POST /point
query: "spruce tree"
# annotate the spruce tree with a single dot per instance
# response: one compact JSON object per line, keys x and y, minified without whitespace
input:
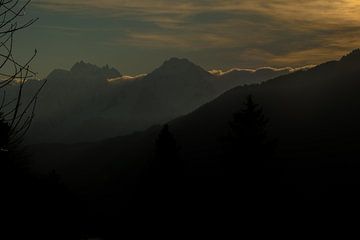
{"x":166,"y":151}
{"x":248,"y":140}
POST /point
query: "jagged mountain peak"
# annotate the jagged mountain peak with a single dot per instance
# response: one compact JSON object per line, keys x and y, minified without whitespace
{"x":176,"y":61}
{"x":175,"y":65}
{"x":82,"y":66}
{"x":84,"y":71}
{"x":88,"y":68}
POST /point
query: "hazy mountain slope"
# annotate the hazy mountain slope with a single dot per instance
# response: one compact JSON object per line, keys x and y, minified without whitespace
{"x":69,"y":100}
{"x":82,"y":105}
{"x":175,"y":88}
{"x":238,"y":77}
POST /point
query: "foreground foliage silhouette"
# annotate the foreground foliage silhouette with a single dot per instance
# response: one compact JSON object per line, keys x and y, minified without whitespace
{"x":33,"y":206}
{"x":38,"y":206}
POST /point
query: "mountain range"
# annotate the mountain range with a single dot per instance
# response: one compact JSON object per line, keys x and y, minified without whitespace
{"x":313,"y":115}
{"x":90,"y":103}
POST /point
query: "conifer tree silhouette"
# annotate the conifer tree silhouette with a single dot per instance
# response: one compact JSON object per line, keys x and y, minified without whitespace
{"x":248,"y":137}
{"x":166,"y":143}
{"x":162,"y":177}
{"x":166,"y":152}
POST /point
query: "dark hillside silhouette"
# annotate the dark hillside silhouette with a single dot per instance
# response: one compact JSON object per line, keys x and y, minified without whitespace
{"x":34,"y":205}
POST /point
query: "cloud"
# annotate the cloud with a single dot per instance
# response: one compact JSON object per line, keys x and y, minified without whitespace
{"x":124,"y":79}
{"x":273,"y":32}
{"x":220,"y":72}
{"x":333,"y":12}
{"x":175,"y":40}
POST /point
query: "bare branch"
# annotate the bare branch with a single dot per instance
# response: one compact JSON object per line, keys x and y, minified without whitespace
{"x":14,"y":74}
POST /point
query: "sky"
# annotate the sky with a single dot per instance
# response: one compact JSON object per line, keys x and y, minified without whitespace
{"x":136,"y":36}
